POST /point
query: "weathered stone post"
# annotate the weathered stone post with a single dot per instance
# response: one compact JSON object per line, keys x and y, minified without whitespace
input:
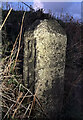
{"x":50,"y":50}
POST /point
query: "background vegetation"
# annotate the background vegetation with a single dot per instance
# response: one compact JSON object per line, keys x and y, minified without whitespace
{"x":15,"y":94}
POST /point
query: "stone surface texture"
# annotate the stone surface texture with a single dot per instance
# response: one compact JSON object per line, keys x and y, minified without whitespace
{"x":48,"y":64}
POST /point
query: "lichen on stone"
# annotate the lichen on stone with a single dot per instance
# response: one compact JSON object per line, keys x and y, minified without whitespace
{"x":50,"y":50}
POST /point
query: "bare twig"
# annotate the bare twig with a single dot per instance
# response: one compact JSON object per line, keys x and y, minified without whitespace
{"x":27,"y":110}
{"x":14,"y":47}
{"x":20,"y":96}
{"x":5,"y":19}
{"x":33,"y":103}
{"x":19,"y":105}
{"x":8,"y":111}
{"x":19,"y":39}
{"x":28,"y":6}
{"x":13,"y":101}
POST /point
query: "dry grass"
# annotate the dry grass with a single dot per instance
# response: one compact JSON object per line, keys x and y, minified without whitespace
{"x":6,"y":19}
{"x":17,"y":100}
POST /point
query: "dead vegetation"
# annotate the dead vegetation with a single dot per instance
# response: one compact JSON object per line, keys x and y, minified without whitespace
{"x":18,"y":101}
